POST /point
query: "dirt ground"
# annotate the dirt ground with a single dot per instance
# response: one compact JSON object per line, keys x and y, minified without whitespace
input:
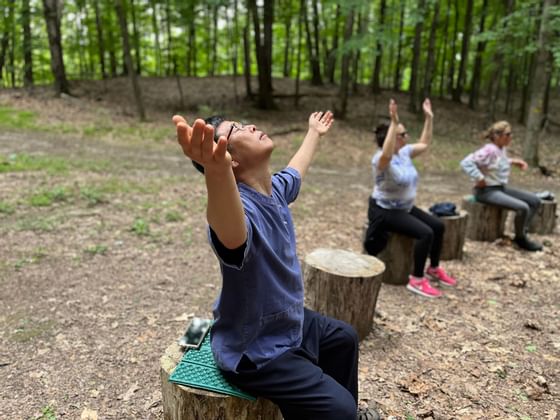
{"x":99,"y":277}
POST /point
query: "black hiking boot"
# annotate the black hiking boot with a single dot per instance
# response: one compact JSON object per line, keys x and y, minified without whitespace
{"x":366,"y":413}
{"x":524,"y":243}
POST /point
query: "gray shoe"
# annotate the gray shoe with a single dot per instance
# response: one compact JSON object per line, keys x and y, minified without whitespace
{"x":368,"y":414}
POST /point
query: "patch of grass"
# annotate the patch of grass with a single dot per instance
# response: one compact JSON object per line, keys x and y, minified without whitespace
{"x":531,"y":348}
{"x":173,"y":216}
{"x":37,"y":255}
{"x":140,"y":227}
{"x":36,"y":224}
{"x":47,"y":413}
{"x":92,"y":195}
{"x":27,"y":330}
{"x":96,"y":249}
{"x":15,"y":118}
{"x":23,"y":162}
{"x":5,"y":208}
{"x":46,"y":198}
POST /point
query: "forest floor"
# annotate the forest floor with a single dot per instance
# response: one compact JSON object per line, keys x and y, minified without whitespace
{"x":104,"y":259}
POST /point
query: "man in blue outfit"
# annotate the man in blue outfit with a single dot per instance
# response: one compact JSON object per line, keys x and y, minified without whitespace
{"x":263,"y":339}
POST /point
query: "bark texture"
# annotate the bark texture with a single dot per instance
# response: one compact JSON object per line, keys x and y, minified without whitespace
{"x":544,"y":221}
{"x":343,"y":285}
{"x":454,"y":236}
{"x":485,"y":222}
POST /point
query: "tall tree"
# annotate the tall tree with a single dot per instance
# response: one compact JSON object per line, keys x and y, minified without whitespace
{"x":542,"y":72}
{"x":120,"y":8}
{"x":397,"y":81}
{"x":155,"y":29}
{"x":430,"y":62}
{"x":27,"y":44}
{"x":340,"y":109}
{"x":458,"y":91}
{"x":7,"y":17}
{"x":52,"y":10}
{"x":375,"y":80}
{"x":477,"y":72}
{"x":263,"y":48}
{"x":331,"y":52}
{"x":312,"y":49}
{"x":451,"y":73}
{"x":415,"y":71}
{"x":100,"y":39}
{"x":136,"y":38}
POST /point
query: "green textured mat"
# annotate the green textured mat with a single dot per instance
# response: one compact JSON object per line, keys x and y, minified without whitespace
{"x":198,"y":369}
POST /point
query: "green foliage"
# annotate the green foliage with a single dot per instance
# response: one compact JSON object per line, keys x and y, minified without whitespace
{"x":6,"y":208}
{"x":23,"y":162}
{"x":96,"y":249}
{"x":140,"y":227}
{"x":46,"y":198}
{"x":16,"y":119}
{"x":92,"y":195}
{"x":173,"y":216}
{"x":47,"y":413}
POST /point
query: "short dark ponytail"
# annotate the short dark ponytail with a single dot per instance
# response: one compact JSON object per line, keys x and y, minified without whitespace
{"x":380,"y":133}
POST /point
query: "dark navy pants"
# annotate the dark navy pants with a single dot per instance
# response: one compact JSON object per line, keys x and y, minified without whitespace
{"x":318,"y":380}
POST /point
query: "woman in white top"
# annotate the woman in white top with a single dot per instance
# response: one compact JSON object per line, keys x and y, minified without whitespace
{"x":489,"y":168}
{"x":391,"y":205}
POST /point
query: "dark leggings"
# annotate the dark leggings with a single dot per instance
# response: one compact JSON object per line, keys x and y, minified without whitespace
{"x":425,"y":228}
{"x":316,"y":381}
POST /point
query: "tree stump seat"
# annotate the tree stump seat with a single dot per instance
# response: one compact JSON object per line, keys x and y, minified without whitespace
{"x":398,"y":257}
{"x":485,"y":222}
{"x":544,"y":221}
{"x":343,"y":285}
{"x":454,"y":236}
{"x":186,"y":403}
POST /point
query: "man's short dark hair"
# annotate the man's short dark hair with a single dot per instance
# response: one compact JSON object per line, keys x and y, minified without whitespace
{"x":214,"y":121}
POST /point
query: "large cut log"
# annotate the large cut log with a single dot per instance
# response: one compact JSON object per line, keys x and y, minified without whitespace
{"x":544,"y":221}
{"x":454,"y":236}
{"x":185,"y":403}
{"x":343,"y":285}
{"x":485,"y":222}
{"x":398,"y":257}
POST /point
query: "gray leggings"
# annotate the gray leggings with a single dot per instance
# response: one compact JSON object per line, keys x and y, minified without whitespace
{"x":524,"y":203}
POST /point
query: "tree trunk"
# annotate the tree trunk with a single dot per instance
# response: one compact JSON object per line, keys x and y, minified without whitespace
{"x":430,"y":62}
{"x":299,"y":47}
{"x":331,"y":55}
{"x":136,"y":37}
{"x":542,"y":72}
{"x":340,"y":108}
{"x":155,"y":29}
{"x":111,"y":44}
{"x":100,"y":39}
{"x":454,"y":236}
{"x":477,"y":73}
{"x":214,"y":63}
{"x":375,"y":80}
{"x":247,"y":57}
{"x":51,"y":10}
{"x":170,"y":57}
{"x":451,"y":75}
{"x":397,"y":81}
{"x":287,"y":46}
{"x":263,"y":48}
{"x":27,"y":45}
{"x":344,"y":285}
{"x":186,"y":403}
{"x":444,"y":48}
{"x":415,"y":71}
{"x":7,"y":17}
{"x":121,"y":14}
{"x":235,"y":49}
{"x":192,"y":50}
{"x":485,"y":222}
{"x":544,"y":221}
{"x":314,"y":64}
{"x":458,"y":92}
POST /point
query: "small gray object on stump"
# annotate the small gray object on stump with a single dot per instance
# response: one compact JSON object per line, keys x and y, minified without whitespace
{"x":544,"y":221}
{"x":398,"y":257}
{"x":454,"y":236}
{"x":186,"y":403}
{"x":485,"y":222}
{"x":343,"y":285}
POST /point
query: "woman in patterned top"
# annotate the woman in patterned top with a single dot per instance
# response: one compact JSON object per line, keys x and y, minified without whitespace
{"x":489,"y":168}
{"x":391,"y":205}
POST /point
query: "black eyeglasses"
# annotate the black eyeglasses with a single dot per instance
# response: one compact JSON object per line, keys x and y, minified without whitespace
{"x":236,"y":127}
{"x":403,"y":134}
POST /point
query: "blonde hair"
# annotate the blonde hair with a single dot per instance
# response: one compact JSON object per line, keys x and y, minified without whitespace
{"x":496,"y":129}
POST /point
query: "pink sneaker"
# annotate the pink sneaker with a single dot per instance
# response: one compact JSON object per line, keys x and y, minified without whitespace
{"x":439,"y":274}
{"x":422,"y":287}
